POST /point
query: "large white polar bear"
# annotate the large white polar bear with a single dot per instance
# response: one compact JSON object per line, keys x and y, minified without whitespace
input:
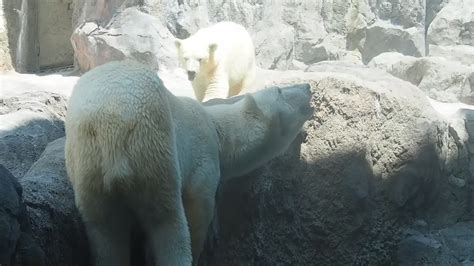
{"x":219,"y":60}
{"x":137,"y":153}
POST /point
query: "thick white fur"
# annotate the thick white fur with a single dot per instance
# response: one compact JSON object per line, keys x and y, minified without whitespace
{"x":223,"y":58}
{"x":136,"y":153}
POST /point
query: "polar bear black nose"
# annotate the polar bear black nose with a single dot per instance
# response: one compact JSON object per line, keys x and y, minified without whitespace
{"x":191,"y":75}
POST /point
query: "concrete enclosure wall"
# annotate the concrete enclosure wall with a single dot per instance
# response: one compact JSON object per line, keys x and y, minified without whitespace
{"x":36,"y":34}
{"x":55,"y":29}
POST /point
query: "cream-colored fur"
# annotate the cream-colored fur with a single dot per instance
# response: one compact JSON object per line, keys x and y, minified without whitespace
{"x":222,"y":57}
{"x":137,"y":153}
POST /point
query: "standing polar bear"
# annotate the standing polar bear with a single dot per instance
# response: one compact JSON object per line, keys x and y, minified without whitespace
{"x":219,"y":60}
{"x":136,"y":154}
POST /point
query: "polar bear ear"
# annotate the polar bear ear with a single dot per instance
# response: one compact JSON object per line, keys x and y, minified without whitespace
{"x":251,"y":106}
{"x":212,"y":47}
{"x":177,"y":43}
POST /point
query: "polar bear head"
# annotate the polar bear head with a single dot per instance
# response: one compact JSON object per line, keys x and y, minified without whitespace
{"x":284,"y":110}
{"x":195,"y":57}
{"x":255,"y":127}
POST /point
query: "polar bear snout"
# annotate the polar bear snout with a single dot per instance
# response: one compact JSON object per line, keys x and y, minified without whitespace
{"x":191,"y":75}
{"x":299,"y":96}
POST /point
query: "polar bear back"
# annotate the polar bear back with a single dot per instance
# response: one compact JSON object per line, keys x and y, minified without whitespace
{"x":111,"y":114}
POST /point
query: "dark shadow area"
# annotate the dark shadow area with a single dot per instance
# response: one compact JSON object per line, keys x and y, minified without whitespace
{"x":55,"y":220}
{"x":23,"y":145}
{"x":332,"y":211}
{"x":47,"y":193}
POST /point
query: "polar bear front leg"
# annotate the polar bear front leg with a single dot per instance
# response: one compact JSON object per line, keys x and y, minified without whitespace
{"x":218,"y":87}
{"x":108,"y":228}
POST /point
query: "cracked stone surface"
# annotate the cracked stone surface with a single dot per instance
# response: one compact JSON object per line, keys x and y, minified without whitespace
{"x":50,"y":202}
{"x":32,"y":110}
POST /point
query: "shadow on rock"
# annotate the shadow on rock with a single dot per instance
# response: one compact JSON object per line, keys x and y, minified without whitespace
{"x":55,"y":220}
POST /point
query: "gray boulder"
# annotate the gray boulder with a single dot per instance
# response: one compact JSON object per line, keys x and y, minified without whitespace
{"x":54,"y":218}
{"x":451,"y":245}
{"x":32,"y":111}
{"x":374,"y":149}
{"x":453,"y":25}
{"x":458,"y":53}
{"x":130,"y":34}
{"x":439,"y":78}
{"x":17,"y":246}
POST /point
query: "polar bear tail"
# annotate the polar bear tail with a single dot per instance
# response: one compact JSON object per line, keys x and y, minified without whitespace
{"x":118,"y":173}
{"x":114,"y":161}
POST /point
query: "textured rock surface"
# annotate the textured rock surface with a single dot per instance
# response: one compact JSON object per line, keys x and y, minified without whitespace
{"x":453,"y":25}
{"x":32,"y":111}
{"x":284,"y":32}
{"x":10,"y":211}
{"x":374,"y":149}
{"x":439,"y":78}
{"x":130,"y":34}
{"x":453,"y":245}
{"x":17,"y":246}
{"x":50,"y":202}
{"x":459,"y":53}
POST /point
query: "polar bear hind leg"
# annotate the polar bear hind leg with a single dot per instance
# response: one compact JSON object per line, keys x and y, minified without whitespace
{"x":244,"y":85}
{"x":199,"y":209}
{"x":108,"y":228}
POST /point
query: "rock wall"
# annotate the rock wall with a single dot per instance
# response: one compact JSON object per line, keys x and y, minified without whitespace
{"x":287,"y":34}
{"x":294,"y":34}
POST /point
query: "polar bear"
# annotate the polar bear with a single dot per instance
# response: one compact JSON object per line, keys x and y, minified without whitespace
{"x":137,"y":154}
{"x":219,"y":60}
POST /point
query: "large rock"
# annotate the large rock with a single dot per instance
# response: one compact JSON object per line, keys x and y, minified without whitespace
{"x":55,"y":220}
{"x":453,"y":25}
{"x":432,"y":9}
{"x":131,"y":34}
{"x":17,"y":246}
{"x":439,"y":78}
{"x":453,"y":245}
{"x":32,"y":111}
{"x":463,"y":54}
{"x":383,"y":37}
{"x":374,"y":148}
{"x":286,"y":34}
